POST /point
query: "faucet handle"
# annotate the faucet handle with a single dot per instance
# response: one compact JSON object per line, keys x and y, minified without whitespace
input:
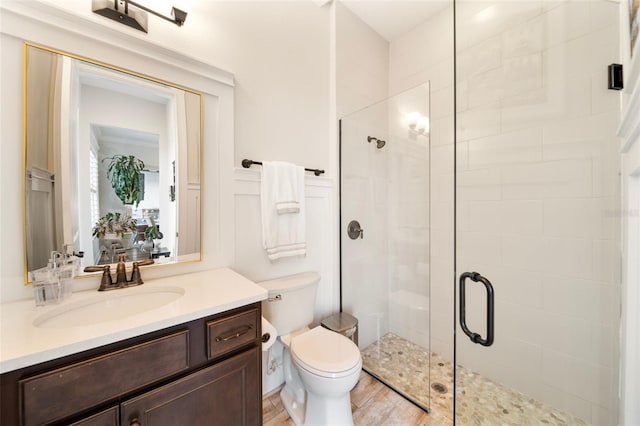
{"x":105,"y":282}
{"x":136,"y":278}
{"x":97,"y":268}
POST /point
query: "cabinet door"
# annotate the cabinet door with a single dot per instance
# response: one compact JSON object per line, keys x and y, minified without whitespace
{"x":108,"y":417}
{"x":226,"y":393}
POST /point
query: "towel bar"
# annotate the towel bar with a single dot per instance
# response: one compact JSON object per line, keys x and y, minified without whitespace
{"x":248,"y":163}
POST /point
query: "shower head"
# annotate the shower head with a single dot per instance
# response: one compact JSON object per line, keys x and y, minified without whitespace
{"x":379,"y":142}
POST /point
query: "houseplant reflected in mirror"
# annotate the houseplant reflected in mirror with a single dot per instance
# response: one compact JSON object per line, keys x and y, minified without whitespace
{"x":114,"y":231}
{"x":150,"y":234}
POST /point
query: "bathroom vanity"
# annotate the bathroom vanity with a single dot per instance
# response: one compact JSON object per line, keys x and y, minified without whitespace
{"x":194,"y":360}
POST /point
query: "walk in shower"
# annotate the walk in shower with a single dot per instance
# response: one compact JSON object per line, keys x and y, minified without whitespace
{"x":497,"y":181}
{"x":385,"y":244}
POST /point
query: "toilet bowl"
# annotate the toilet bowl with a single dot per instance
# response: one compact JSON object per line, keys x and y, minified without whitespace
{"x":320,"y":366}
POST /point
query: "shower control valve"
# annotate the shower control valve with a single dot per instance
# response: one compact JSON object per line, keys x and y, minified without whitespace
{"x":354,"y":230}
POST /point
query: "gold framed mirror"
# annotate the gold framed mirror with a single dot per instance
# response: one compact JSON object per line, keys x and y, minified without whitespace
{"x":85,"y":120}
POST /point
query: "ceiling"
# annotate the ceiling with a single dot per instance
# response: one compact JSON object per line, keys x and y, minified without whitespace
{"x":393,"y":18}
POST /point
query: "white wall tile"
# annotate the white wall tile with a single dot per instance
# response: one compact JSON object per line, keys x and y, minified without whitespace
{"x":524,"y":288}
{"x":486,"y":87}
{"x":481,"y":58}
{"x":586,"y":300}
{"x":575,"y":217}
{"x":603,"y":99}
{"x":587,"y":128}
{"x":570,"y":403}
{"x":568,"y":21}
{"x":601,"y":415}
{"x":604,"y":260}
{"x":524,"y":39}
{"x":522,"y":217}
{"x":524,"y":253}
{"x":556,"y":179}
{"x":441,"y":103}
{"x":478,"y":123}
{"x":483,"y":184}
{"x":567,"y":257}
{"x":577,"y":377}
{"x":572,"y":150}
{"x":564,"y":334}
{"x":515,"y":321}
{"x":473,"y":17}
{"x":482,"y":248}
{"x":442,"y":131}
{"x":523,"y":146}
{"x":603,"y":350}
{"x":603,"y":14}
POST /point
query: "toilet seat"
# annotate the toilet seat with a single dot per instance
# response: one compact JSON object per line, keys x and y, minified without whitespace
{"x":325,"y":353}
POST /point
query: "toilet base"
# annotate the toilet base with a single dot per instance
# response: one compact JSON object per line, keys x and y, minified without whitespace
{"x":294,"y":406}
{"x":319,"y":411}
{"x":322,"y":411}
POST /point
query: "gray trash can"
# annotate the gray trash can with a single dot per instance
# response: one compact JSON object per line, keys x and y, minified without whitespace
{"x":342,"y":323}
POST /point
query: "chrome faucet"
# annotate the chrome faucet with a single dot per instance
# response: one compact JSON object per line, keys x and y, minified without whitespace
{"x":106,"y":283}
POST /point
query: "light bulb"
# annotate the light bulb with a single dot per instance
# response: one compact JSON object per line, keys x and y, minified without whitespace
{"x":422,"y":126}
{"x":412,"y":119}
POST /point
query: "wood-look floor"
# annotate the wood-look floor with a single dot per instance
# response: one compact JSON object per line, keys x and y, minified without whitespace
{"x":372,"y":404}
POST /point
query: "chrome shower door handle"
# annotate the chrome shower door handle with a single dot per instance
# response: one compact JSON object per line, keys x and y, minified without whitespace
{"x":475,"y":337}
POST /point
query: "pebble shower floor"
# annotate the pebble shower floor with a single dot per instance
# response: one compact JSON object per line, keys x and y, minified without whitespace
{"x":404,"y":366}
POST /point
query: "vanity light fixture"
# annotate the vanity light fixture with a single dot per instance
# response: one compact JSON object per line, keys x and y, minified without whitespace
{"x":134,"y":17}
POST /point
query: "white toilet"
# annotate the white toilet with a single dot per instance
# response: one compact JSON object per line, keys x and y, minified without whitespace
{"x":320,"y":366}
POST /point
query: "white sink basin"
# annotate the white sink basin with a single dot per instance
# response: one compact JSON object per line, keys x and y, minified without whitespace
{"x":108,"y":306}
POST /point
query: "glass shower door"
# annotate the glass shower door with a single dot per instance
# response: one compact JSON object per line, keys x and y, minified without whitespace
{"x":536,"y":194}
{"x":384,"y":228}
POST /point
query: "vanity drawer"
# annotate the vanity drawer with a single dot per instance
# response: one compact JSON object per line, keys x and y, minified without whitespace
{"x":232,"y":332}
{"x":65,"y":391}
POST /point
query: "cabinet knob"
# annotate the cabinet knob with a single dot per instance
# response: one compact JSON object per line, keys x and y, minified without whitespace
{"x":135,"y":422}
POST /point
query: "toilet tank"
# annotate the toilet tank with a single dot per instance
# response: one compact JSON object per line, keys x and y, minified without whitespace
{"x":291,"y":301}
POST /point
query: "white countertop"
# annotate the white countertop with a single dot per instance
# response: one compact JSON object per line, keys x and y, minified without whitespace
{"x":205,"y":293}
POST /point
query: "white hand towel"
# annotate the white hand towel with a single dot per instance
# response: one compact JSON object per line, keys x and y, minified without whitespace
{"x":283,"y":210}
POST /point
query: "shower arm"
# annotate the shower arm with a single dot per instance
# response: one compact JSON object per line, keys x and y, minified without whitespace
{"x":379,"y":142}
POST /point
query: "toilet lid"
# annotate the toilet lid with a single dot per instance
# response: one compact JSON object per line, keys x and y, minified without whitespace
{"x":325,"y":352}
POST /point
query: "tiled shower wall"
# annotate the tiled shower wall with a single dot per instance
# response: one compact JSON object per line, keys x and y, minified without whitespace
{"x":385,"y":274}
{"x":538,"y":195}
{"x":407,"y":154}
{"x":426,"y":54}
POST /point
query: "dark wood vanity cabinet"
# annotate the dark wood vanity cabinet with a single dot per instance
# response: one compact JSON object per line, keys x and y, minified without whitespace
{"x":205,"y":372}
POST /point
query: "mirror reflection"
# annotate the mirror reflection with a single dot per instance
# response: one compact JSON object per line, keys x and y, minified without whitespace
{"x":112,"y":164}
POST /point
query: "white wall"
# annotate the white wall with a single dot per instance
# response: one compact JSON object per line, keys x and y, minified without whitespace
{"x":362,"y":63}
